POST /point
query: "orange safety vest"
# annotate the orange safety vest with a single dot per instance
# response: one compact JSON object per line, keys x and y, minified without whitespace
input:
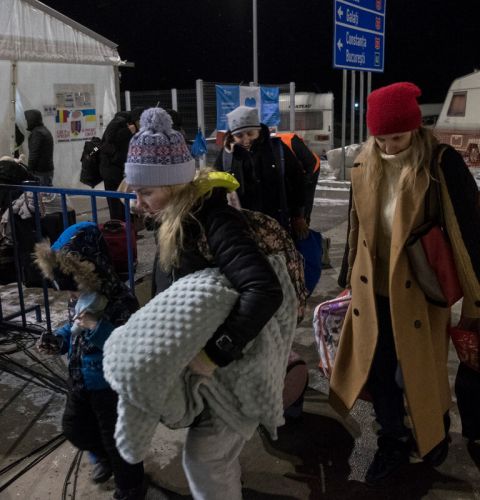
{"x":287,"y":137}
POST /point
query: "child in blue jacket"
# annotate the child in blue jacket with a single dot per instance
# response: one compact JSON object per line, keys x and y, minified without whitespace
{"x":99,"y":302}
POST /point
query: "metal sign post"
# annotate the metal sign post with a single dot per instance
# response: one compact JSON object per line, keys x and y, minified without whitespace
{"x":361,"y":137}
{"x":352,"y":108}
{"x":255,"y":43}
{"x":292,"y":106}
{"x":344,"y":119}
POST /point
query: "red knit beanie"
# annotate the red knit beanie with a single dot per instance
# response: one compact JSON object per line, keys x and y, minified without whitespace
{"x":394,"y":109}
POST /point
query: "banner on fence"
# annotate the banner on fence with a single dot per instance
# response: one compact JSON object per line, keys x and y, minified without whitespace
{"x":265,"y":99}
{"x":76,"y":115}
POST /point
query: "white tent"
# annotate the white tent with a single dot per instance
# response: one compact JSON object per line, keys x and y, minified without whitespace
{"x":51,"y":63}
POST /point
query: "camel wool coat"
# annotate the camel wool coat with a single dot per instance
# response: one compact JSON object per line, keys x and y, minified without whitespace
{"x":419,"y":328}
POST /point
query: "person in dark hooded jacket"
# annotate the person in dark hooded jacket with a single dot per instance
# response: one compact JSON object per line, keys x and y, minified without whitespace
{"x":79,"y":262}
{"x":255,"y":160}
{"x":40,"y":148}
{"x":113,"y":155}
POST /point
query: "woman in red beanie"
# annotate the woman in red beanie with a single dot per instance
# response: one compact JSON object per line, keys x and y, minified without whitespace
{"x":395,"y":342}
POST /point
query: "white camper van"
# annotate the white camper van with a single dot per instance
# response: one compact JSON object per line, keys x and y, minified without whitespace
{"x":313,"y":119}
{"x":430,"y":113}
{"x":459,"y":120}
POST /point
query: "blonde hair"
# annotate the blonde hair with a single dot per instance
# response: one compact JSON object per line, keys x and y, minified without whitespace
{"x":172,"y":219}
{"x":420,"y":157}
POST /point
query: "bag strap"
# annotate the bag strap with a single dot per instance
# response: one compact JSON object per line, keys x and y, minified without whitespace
{"x":227,"y":160}
{"x":279,"y":157}
{"x":437,"y":189}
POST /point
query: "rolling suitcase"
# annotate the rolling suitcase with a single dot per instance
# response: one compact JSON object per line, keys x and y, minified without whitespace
{"x":115,"y":234}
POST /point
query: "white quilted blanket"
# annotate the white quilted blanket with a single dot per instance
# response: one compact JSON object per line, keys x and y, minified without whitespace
{"x":145,"y":362}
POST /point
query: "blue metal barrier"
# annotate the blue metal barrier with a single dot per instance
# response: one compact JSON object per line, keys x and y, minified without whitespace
{"x":35,"y":190}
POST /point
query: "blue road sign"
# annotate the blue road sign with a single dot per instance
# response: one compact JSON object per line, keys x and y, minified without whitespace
{"x":359,"y":35}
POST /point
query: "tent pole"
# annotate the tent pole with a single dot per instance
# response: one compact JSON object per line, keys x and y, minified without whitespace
{"x":13,"y":98}
{"x":116,"y":72}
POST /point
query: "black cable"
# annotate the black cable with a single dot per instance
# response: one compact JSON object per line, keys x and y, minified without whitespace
{"x":22,"y":341}
{"x":46,"y":367}
{"x":40,"y":382}
{"x":31,"y":465}
{"x":35,"y":451}
{"x":75,"y":461}
{"x":75,"y":477}
{"x":51,"y":382}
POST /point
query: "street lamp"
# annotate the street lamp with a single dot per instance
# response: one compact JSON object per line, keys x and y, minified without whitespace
{"x":255,"y":44}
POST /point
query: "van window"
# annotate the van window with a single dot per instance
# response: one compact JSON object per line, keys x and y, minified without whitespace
{"x":304,"y":120}
{"x":458,"y":104}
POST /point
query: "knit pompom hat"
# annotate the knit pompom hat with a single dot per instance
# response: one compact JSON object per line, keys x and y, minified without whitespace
{"x":394,"y":109}
{"x":158,"y":155}
{"x":243,"y":118}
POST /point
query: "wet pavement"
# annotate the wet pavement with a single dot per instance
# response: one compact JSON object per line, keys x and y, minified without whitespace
{"x":319,"y":457}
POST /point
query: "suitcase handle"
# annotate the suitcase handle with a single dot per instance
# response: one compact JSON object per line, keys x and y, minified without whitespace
{"x":114,"y":226}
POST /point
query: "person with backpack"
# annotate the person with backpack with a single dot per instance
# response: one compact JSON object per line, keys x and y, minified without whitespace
{"x":271,"y":179}
{"x":113,"y":153}
{"x":310,"y":163}
{"x":199,"y":230}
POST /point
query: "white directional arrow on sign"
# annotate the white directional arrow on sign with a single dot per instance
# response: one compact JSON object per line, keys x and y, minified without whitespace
{"x":339,"y":44}
{"x":340,"y":12}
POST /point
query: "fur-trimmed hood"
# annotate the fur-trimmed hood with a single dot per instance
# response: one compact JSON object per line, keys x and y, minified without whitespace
{"x":80,"y":253}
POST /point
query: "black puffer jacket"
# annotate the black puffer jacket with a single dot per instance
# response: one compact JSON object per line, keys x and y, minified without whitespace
{"x":246,"y":267}
{"x":260,"y":180}
{"x":115,"y":142}
{"x":40,"y":143}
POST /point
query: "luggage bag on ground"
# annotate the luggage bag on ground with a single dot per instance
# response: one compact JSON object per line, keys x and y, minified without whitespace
{"x":328,"y":319}
{"x":115,"y":234}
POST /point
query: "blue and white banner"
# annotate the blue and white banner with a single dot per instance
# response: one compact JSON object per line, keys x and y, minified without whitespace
{"x":270,"y":97}
{"x":228,"y":98}
{"x":265,"y":99}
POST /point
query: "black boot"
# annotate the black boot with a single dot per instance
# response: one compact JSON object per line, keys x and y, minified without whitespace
{"x":391,"y":454}
{"x":438,"y":454}
{"x":101,"y":471}
{"x":137,"y":493}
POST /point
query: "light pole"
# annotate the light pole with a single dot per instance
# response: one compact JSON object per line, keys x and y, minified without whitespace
{"x":255,"y":44}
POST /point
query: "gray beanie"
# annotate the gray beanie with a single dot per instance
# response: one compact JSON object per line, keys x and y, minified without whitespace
{"x":158,"y":155}
{"x":243,"y":118}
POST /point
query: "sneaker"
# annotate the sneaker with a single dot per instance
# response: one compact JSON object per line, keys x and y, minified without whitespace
{"x":101,"y":472}
{"x":390,"y":455}
{"x":137,"y":493}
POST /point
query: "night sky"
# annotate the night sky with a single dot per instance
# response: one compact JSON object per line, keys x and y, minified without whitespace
{"x":173,"y":42}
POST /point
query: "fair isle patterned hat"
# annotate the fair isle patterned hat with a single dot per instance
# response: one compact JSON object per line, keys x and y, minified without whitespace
{"x":243,"y":118}
{"x":158,"y":155}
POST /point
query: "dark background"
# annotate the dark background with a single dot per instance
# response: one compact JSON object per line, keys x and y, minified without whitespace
{"x":174,"y":42}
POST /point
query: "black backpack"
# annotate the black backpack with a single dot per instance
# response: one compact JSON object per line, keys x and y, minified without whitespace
{"x":90,"y":173}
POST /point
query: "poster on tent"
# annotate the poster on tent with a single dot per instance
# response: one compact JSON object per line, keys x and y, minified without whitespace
{"x":265,"y":99}
{"x":76,"y":115}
